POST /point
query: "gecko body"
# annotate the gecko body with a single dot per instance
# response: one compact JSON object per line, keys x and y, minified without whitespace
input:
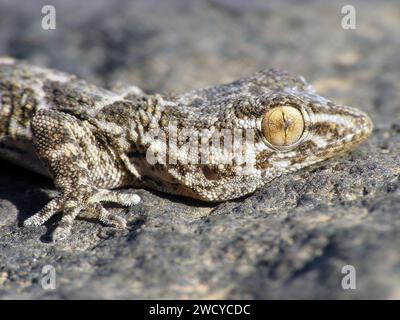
{"x":213,"y":144}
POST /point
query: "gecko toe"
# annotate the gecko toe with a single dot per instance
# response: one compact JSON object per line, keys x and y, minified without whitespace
{"x":122,"y":198}
{"x":115,"y":221}
{"x":108,"y":218}
{"x":33,"y":221}
{"x":87,"y":203}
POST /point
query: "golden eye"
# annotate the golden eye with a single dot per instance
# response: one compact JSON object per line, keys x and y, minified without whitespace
{"x":283,"y":126}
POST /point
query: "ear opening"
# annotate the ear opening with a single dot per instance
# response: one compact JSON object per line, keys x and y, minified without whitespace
{"x":209,"y":173}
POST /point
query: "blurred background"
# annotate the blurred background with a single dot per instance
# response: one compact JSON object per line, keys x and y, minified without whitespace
{"x":177,"y":45}
{"x":289,"y":240}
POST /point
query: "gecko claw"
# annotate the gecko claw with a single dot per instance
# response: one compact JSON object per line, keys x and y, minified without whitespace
{"x":61,"y":233}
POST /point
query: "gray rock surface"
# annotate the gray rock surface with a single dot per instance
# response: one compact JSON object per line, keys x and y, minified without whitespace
{"x":288,"y":240}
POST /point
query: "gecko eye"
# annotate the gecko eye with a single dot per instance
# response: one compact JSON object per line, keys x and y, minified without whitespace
{"x":283,"y":126}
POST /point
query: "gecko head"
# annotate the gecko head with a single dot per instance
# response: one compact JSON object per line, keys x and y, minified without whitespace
{"x":259,"y":128}
{"x":298,"y":128}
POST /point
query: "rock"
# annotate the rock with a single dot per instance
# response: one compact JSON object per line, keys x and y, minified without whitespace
{"x":289,"y":240}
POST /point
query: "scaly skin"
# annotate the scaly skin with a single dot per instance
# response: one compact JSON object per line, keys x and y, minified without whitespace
{"x":92,"y":141}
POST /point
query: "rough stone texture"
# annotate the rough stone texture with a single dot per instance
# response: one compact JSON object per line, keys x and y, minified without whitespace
{"x":290,"y":239}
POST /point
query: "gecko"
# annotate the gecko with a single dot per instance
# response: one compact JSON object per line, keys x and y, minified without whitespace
{"x":214,"y":144}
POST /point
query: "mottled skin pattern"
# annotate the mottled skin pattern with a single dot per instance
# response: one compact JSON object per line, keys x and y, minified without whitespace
{"x":92,"y":141}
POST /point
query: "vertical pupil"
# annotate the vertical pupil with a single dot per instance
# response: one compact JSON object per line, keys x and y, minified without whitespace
{"x":283,"y":126}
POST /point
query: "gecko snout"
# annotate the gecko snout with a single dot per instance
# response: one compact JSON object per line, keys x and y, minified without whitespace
{"x":340,"y":128}
{"x":361,"y":125}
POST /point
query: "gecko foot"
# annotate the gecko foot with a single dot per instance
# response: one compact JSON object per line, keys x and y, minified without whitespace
{"x":87,"y":202}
